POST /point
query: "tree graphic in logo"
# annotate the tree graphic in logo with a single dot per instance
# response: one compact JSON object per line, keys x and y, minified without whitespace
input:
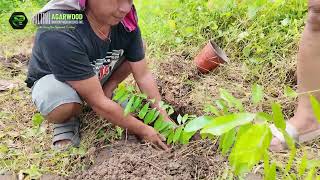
{"x":18,"y":20}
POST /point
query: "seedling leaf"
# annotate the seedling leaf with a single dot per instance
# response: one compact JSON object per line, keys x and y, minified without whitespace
{"x":223,"y":124}
{"x":250,"y":148}
{"x":177,"y":134}
{"x":197,"y":123}
{"x":228,"y":141}
{"x":144,"y":111}
{"x":278,"y":116}
{"x":37,"y":119}
{"x":128,"y":108}
{"x":148,"y":118}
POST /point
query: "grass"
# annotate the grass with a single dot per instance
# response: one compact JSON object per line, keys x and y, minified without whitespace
{"x":260,"y":37}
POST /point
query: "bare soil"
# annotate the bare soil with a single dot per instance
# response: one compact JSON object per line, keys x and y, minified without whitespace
{"x":132,"y":160}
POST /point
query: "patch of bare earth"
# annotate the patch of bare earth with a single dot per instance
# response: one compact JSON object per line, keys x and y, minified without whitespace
{"x":122,"y":160}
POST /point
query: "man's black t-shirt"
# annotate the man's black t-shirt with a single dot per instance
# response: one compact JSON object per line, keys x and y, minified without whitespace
{"x":71,"y":54}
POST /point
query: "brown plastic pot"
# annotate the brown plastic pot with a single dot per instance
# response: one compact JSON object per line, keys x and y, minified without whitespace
{"x":210,"y":57}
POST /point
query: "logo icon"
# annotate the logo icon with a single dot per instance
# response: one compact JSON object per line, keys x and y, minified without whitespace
{"x":18,"y":20}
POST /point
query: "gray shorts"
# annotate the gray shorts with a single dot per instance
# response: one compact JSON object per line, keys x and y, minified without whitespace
{"x":48,"y":93}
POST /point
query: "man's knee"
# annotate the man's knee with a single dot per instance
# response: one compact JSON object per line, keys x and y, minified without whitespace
{"x":314,"y":15}
{"x":64,"y":112}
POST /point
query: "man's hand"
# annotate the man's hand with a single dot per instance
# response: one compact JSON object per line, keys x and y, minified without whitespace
{"x":148,"y":134}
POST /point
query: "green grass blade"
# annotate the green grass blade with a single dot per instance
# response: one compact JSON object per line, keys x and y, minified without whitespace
{"x":315,"y":107}
{"x":311,"y":174}
{"x":303,"y":165}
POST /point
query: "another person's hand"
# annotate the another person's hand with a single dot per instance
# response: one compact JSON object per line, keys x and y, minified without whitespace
{"x":150,"y":135}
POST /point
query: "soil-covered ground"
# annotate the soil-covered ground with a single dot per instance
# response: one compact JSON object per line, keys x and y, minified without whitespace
{"x":132,"y":160}
{"x":180,"y":85}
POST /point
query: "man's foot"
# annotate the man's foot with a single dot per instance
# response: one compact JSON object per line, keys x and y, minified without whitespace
{"x":63,"y":144}
{"x":66,"y":134}
{"x":302,"y":125}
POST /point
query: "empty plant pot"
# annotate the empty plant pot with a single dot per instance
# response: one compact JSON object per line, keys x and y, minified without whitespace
{"x":210,"y":57}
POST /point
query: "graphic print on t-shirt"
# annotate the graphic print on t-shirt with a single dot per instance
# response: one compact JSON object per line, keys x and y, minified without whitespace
{"x":103,"y":67}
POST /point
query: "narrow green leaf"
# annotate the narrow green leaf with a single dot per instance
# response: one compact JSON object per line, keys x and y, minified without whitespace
{"x":130,"y":88}
{"x":225,"y":95}
{"x":170,"y":137}
{"x":257,"y":93}
{"x":315,"y":107}
{"x":171,"y":111}
{"x":228,"y":141}
{"x":266,"y":164}
{"x":311,"y":174}
{"x":222,"y":105}
{"x":221,"y":140}
{"x":37,"y":119}
{"x":144,"y":111}
{"x":148,"y":118}
{"x":119,"y":92}
{"x":289,"y":140}
{"x":243,"y":129}
{"x":231,"y":100}
{"x":264,"y":117}
{"x":185,"y":118}
{"x":198,"y":123}
{"x":164,"y":125}
{"x":177,"y":134}
{"x":158,"y":123}
{"x":129,"y":108}
{"x":143,"y":96}
{"x":278,"y":116}
{"x":212,"y":109}
{"x":186,"y":136}
{"x":291,"y":159}
{"x":289,"y":92}
{"x":166,"y":132}
{"x":137,"y":102}
{"x":179,"y":119}
{"x":250,"y":148}
{"x":156,"y":115}
{"x":272,"y":173}
{"x":303,"y":165}
{"x":223,"y":124}
{"x":124,"y":98}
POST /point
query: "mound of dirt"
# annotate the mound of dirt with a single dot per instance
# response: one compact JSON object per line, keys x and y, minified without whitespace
{"x":130,"y":160}
{"x":175,"y":79}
